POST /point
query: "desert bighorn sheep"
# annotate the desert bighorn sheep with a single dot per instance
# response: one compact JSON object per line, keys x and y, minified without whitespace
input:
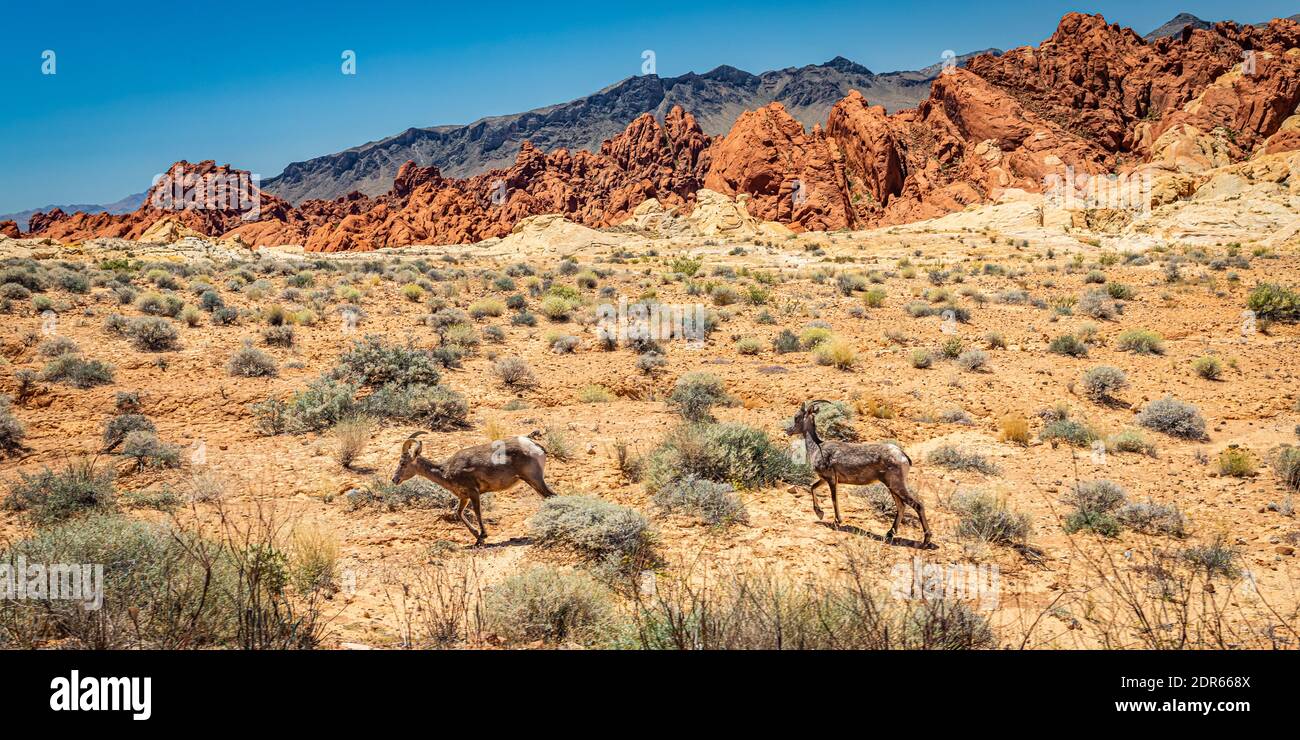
{"x":476,"y":470}
{"x":855,"y":464}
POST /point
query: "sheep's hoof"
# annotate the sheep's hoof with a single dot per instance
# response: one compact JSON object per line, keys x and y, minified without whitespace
{"x":818,"y":512}
{"x":889,"y":536}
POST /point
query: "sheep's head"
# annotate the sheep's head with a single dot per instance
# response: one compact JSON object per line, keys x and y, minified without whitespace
{"x":406,"y":467}
{"x":805,"y":419}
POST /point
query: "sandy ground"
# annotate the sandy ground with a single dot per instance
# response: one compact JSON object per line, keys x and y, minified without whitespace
{"x":197,"y":404}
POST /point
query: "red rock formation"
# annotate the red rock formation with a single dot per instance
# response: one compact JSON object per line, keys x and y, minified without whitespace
{"x":10,"y":229}
{"x":1094,"y":97}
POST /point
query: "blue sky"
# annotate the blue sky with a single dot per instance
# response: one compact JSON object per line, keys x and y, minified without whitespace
{"x":258,"y":84}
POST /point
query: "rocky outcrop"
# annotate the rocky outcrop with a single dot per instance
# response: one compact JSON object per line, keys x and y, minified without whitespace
{"x":10,"y":229}
{"x":1094,"y":98}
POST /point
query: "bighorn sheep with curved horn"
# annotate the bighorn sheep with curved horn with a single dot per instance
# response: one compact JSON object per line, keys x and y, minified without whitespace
{"x":855,"y":464}
{"x":477,"y":470}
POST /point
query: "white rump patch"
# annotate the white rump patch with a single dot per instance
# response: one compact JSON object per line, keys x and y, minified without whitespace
{"x":900,"y":457}
{"x":531,"y":447}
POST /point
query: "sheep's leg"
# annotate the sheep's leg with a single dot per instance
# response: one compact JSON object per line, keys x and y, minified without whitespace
{"x":812,"y":490}
{"x":898,"y":487}
{"x":460,"y":514}
{"x":835,"y":499}
{"x":532,"y":475}
{"x":478,"y":512}
{"x":898,"y":513}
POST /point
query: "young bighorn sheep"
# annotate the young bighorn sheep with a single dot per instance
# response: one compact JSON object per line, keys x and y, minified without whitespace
{"x":477,"y":470}
{"x":855,"y":464}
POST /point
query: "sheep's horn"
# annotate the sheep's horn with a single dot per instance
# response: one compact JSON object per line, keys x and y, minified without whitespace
{"x":813,"y":404}
{"x":406,"y":445}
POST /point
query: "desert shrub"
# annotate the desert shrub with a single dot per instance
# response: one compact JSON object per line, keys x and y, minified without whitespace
{"x":1215,"y":558}
{"x":921,"y":359}
{"x":1153,"y":518}
{"x":1014,"y":428}
{"x":556,"y":308}
{"x":740,"y":455}
{"x":1286,"y":463}
{"x":225,"y":316}
{"x":549,"y":605}
{"x":434,"y":407}
{"x":760,"y":609}
{"x":1072,"y":432}
{"x":838,"y":353}
{"x":77,"y":372}
{"x":191,"y":316}
{"x":593,"y":526}
{"x":1273,"y":302}
{"x":1236,"y":462}
{"x":955,"y":458}
{"x":594,"y":394}
{"x":372,"y":363}
{"x":55,"y":346}
{"x":951,"y":348}
{"x":785,"y":342}
{"x":1069,"y":345}
{"x":314,"y":559}
{"x":1170,"y":416}
{"x":278,"y":336}
{"x":723,"y":295}
{"x":412,"y":292}
{"x":1102,"y":523}
{"x":251,"y":362}
{"x":1100,"y":383}
{"x":1094,"y":504}
{"x":154,"y":334}
{"x":749,"y":346}
{"x":972,"y":359}
{"x":148,"y":451}
{"x":12,"y":431}
{"x":350,"y":439}
{"x":709,"y":501}
{"x":322,"y":404}
{"x":515,"y":373}
{"x":49,"y":497}
{"x":1098,"y":304}
{"x":26,"y":380}
{"x":1130,"y":440}
{"x":412,"y":493}
{"x":874,"y":298}
{"x":814,"y":336}
{"x":986,"y":518}
{"x":695,"y":394}
{"x":486,"y":307}
{"x":650,"y":362}
{"x":1119,"y":291}
{"x":1208,"y":367}
{"x":564,"y":344}
{"x":1141,"y":342}
{"x":116,"y":429}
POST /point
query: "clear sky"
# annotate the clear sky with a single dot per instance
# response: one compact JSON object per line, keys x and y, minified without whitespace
{"x":258,"y":84}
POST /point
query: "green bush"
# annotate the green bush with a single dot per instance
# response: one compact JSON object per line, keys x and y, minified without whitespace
{"x":1153,"y":518}
{"x":1142,"y":342}
{"x":986,"y":518}
{"x":1069,"y":345}
{"x":49,"y":497}
{"x":12,"y":431}
{"x":710,"y":502}
{"x":1273,"y":302}
{"x":152,"y":334}
{"x":149,"y":452}
{"x":77,"y":372}
{"x":372,"y":363}
{"x":1286,"y":463}
{"x":251,"y":362}
{"x":739,"y":455}
{"x":1170,"y":416}
{"x":434,"y":407}
{"x":593,"y":526}
{"x":1100,"y":383}
{"x":549,"y":605}
{"x":955,"y":458}
{"x":695,"y":395}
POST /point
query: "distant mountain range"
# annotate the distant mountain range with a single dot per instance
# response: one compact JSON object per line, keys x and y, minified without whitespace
{"x":716,"y":98}
{"x":125,"y":205}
